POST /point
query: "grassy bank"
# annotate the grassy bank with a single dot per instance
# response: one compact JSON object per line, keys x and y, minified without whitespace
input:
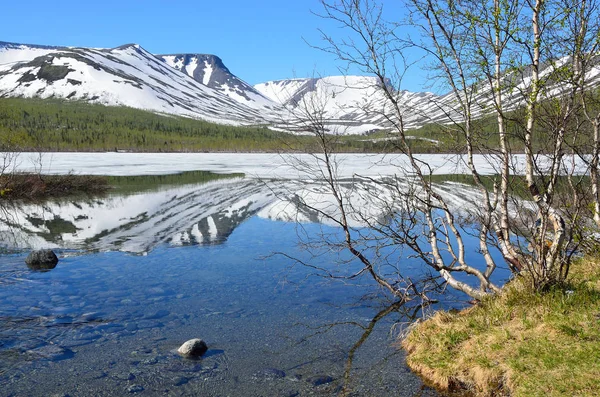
{"x":520,"y":344}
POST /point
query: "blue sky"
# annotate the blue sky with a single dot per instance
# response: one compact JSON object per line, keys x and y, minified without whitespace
{"x":258,"y":40}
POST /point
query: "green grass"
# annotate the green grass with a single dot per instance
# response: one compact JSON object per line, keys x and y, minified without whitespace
{"x":520,"y":344}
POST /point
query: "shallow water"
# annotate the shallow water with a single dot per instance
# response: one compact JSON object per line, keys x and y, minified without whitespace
{"x":166,"y":259}
{"x":108,"y":323}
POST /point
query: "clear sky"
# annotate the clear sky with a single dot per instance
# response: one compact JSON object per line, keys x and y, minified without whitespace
{"x":258,"y":40}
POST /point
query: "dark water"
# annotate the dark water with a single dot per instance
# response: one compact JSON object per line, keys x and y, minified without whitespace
{"x":107,"y":324}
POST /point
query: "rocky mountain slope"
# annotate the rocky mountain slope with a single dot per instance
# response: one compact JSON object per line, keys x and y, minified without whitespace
{"x":209,"y":70}
{"x":190,"y":85}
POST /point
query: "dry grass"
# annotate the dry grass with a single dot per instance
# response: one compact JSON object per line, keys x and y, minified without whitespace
{"x":34,"y":186}
{"x":520,"y":344}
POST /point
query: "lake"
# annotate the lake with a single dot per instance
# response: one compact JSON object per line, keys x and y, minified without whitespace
{"x":164,"y":259}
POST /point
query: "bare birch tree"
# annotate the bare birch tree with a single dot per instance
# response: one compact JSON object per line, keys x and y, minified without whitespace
{"x":536,"y":53}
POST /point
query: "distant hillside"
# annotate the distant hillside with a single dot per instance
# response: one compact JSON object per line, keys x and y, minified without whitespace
{"x":59,"y":125}
{"x":354,"y":104}
{"x":124,"y":76}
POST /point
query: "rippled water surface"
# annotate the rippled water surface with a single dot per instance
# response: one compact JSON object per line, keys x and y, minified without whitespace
{"x":107,"y":323}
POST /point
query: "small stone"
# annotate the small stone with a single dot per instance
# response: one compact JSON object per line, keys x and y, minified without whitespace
{"x":157,"y":315}
{"x":150,"y":361}
{"x":98,"y":375}
{"x":51,"y":353}
{"x":131,"y":327}
{"x":135,"y":389}
{"x":125,"y":376}
{"x":41,"y":260}
{"x":269,"y":374}
{"x":180,"y":381}
{"x":319,"y":380}
{"x":193,"y":348}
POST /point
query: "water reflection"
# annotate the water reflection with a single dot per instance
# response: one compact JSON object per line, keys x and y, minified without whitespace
{"x":137,"y":218}
{"x":197,"y":208}
{"x":108,"y":323}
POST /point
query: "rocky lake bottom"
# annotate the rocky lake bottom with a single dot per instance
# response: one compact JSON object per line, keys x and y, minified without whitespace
{"x":109,"y":324}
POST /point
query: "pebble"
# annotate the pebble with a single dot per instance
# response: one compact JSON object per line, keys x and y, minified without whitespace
{"x":51,"y":352}
{"x":150,"y":361}
{"x":319,"y":380}
{"x":131,"y":327}
{"x":156,"y":315}
{"x":269,"y":374}
{"x":135,"y":389}
{"x":193,"y":348}
{"x":180,"y":381}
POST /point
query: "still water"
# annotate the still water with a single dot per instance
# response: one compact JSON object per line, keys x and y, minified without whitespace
{"x":179,"y":262}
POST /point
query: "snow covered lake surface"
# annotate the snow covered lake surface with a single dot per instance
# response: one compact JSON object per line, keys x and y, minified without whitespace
{"x":254,"y":165}
{"x":143,"y":270}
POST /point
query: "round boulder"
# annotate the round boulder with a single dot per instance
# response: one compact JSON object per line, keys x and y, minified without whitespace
{"x":41,"y":260}
{"x":193,"y":348}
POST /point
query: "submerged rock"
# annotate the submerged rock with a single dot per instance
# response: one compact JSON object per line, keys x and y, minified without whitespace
{"x":269,"y":374}
{"x":319,"y":380}
{"x":41,"y":260}
{"x":135,"y":389}
{"x":51,"y":352}
{"x":193,"y":348}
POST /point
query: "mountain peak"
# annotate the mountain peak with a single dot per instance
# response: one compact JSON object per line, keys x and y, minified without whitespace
{"x":128,"y":46}
{"x":210,"y":70}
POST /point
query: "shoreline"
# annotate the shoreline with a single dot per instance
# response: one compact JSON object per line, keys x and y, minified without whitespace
{"x":519,"y":344}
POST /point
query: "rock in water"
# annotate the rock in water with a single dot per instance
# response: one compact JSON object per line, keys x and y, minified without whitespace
{"x":41,"y":260}
{"x":193,"y":348}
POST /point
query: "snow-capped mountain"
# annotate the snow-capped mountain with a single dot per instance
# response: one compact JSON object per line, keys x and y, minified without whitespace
{"x":129,"y":76}
{"x":201,"y":86}
{"x":352,"y":104}
{"x":191,"y":85}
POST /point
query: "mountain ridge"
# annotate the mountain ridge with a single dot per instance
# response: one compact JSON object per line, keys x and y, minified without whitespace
{"x":201,"y":86}
{"x":191,"y":84}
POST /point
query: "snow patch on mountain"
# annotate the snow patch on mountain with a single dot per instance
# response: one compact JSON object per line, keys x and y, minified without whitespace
{"x":207,"y":73}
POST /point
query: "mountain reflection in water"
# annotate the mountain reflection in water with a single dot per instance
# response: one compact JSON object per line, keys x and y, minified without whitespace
{"x":107,"y":323}
{"x":191,"y":208}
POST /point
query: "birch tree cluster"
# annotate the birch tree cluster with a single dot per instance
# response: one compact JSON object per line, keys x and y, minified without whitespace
{"x":529,"y":65}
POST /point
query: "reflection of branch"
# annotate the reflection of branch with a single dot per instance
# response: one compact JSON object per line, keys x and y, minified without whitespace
{"x":394,"y":307}
{"x":10,"y":222}
{"x":407,"y":312}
